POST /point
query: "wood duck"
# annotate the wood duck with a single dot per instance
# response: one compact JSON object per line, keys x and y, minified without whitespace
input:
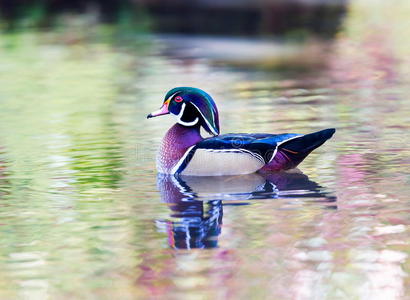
{"x":184,"y":151}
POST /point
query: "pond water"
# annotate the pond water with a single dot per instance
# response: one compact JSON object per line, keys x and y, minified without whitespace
{"x":83,"y":213}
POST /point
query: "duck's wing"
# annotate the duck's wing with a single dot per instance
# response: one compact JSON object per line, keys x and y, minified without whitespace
{"x":231,"y":154}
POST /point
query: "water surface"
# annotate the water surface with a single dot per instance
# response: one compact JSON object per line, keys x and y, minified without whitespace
{"x":83,"y":213}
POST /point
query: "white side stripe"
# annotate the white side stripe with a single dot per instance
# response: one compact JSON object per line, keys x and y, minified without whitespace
{"x":278,"y":144}
{"x":238,"y":150}
{"x":176,"y":167}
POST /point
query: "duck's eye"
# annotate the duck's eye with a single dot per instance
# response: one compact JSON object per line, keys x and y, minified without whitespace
{"x":178,"y":99}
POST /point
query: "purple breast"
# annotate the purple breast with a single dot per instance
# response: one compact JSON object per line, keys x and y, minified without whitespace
{"x":174,"y":145}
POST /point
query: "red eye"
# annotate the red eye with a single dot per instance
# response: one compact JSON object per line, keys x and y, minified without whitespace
{"x":178,"y":99}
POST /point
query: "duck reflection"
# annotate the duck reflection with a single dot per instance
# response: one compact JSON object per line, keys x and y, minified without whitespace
{"x":197,"y":202}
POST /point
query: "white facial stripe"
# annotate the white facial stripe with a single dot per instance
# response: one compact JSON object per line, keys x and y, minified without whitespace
{"x":172,"y":96}
{"x":181,"y":112}
{"x":183,"y":122}
{"x":206,"y":121}
{"x":188,"y":123}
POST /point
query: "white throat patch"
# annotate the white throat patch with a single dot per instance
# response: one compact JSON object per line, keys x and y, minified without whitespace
{"x":183,"y":122}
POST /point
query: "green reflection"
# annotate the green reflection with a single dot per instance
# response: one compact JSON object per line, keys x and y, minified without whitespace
{"x":61,"y":163}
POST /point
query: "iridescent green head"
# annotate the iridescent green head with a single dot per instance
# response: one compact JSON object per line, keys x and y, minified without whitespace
{"x":192,"y":106}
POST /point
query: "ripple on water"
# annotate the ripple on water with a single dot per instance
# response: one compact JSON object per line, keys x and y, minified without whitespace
{"x":84,"y":215}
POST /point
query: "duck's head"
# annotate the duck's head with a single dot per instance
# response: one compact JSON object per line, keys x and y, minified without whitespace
{"x":192,"y":107}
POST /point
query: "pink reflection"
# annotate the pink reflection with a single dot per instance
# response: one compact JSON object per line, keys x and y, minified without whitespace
{"x":367,"y":62}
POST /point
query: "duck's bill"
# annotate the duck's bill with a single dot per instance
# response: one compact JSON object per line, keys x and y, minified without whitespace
{"x":162,"y":111}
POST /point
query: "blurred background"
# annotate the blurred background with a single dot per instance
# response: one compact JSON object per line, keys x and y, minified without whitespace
{"x":83,"y":214}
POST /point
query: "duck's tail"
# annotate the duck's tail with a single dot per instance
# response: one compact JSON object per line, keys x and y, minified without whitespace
{"x":292,"y":152}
